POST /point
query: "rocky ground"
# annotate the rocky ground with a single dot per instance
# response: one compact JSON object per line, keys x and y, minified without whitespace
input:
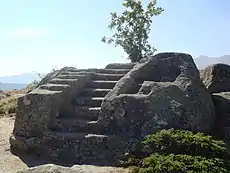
{"x":10,"y":163}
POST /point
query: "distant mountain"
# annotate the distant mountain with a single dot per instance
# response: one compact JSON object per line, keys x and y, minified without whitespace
{"x":204,"y":61}
{"x":17,"y":81}
{"x":24,"y":78}
{"x":11,"y":86}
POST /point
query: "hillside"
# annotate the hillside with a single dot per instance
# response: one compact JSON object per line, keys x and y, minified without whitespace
{"x":204,"y":61}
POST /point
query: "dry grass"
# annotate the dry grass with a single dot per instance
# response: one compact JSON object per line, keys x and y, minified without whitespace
{"x":8,"y":105}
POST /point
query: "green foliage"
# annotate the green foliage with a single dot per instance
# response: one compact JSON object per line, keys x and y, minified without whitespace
{"x":182,"y":164}
{"x":133,"y":29}
{"x":185,"y":142}
{"x":180,"y":151}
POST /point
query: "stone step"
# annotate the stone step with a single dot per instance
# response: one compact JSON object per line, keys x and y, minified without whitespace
{"x":54,"y":87}
{"x":84,"y":112}
{"x":63,"y":81}
{"x":120,"y":66}
{"x":102,"y":84}
{"x":72,"y":73}
{"x":95,"y":92}
{"x":70,"y":76}
{"x":89,"y":101}
{"x":74,"y":125}
{"x":82,"y":148}
{"x":107,"y":77}
{"x":43,"y":92}
{"x":107,"y":71}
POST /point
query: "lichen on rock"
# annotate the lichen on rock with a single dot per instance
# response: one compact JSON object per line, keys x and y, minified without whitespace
{"x":164,"y":91}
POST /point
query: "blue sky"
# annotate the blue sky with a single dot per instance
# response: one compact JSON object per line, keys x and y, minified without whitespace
{"x":45,"y":34}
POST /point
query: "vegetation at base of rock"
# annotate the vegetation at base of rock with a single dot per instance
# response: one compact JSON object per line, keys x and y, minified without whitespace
{"x":185,"y":142}
{"x":174,"y":151}
{"x":172,"y":163}
{"x":133,"y":29}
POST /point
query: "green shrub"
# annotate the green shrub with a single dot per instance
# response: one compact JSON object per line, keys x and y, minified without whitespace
{"x":157,"y":163}
{"x":185,"y":142}
{"x":180,"y":151}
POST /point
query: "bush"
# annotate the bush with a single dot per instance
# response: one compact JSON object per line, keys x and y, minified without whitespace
{"x":181,"y":164}
{"x":185,"y":142}
{"x":180,"y":151}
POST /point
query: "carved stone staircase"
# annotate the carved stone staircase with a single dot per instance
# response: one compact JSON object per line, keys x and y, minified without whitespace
{"x":76,"y":136}
{"x":87,"y":104}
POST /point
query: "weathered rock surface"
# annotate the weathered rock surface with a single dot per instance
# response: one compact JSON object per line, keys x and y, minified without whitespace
{"x":216,"y":78}
{"x":58,"y":119}
{"x":222,"y":123}
{"x":53,"y":74}
{"x":120,"y":66}
{"x":162,"y":92}
{"x":38,"y":108}
{"x":50,"y":168}
{"x":95,"y":116}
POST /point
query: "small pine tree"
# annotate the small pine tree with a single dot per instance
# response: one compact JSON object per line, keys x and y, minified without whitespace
{"x":133,"y":29}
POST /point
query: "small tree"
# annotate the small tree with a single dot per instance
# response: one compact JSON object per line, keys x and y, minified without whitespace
{"x":133,"y":28}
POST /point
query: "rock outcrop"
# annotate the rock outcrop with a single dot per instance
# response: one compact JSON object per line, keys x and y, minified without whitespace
{"x":216,"y":78}
{"x":222,"y":123}
{"x":95,"y":116}
{"x":50,"y":168}
{"x":163,"y":92}
{"x":58,"y":118}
